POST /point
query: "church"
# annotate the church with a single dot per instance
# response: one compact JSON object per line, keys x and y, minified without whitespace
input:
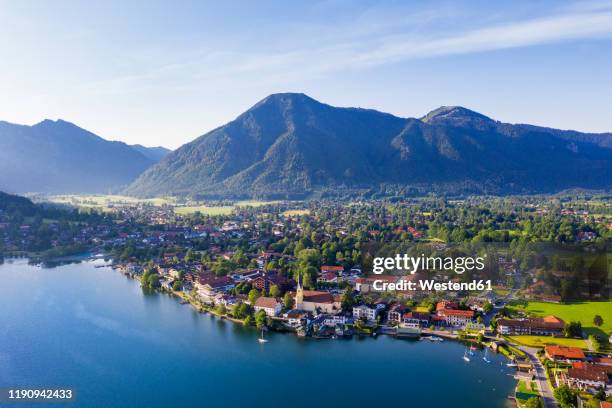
{"x":316,"y":301}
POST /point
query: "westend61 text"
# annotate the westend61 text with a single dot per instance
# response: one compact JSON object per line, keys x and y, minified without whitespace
{"x":404,"y":285}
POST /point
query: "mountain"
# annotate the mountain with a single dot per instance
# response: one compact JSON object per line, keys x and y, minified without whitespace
{"x":11,"y":204}
{"x":290,"y":145}
{"x":154,"y":153}
{"x":60,"y":157}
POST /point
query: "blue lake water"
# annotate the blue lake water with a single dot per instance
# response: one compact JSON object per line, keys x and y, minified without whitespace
{"x":94,"y":330}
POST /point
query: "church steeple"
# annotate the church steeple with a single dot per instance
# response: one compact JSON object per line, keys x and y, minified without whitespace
{"x":299,"y":294}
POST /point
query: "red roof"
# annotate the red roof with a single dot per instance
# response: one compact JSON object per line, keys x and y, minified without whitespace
{"x":446,"y":305}
{"x":573,"y":353}
{"x":332,"y":268}
{"x":457,"y":313}
{"x":266,"y":302}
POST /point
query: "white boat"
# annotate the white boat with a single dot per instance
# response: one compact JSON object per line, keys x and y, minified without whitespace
{"x":465,"y":357}
{"x":261,"y":339}
{"x":435,"y":338}
{"x":486,"y":358}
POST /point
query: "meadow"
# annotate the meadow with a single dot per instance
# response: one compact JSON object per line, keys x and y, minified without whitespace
{"x":583,"y":312}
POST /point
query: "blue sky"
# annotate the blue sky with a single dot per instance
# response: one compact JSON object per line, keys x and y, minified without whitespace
{"x":163,"y":73}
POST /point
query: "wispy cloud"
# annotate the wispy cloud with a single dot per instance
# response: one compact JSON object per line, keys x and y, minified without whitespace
{"x":334,"y":50}
{"x":397,"y":48}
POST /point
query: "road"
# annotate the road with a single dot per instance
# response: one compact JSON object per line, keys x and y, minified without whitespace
{"x":541,"y":381}
{"x":540,"y":376}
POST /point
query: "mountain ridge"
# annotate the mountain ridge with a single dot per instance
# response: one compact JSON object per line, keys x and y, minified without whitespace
{"x":291,"y":145}
{"x":57,"y":156}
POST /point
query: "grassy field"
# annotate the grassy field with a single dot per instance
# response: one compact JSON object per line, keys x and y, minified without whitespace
{"x":525,"y":391}
{"x":204,"y":209}
{"x":541,"y":341}
{"x":577,"y":311}
{"x":255,"y":203}
{"x":290,"y":213}
{"x":501,"y":292}
{"x":107,"y":202}
{"x":103,"y":200}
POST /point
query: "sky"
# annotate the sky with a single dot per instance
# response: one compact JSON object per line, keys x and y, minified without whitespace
{"x":165,"y":72}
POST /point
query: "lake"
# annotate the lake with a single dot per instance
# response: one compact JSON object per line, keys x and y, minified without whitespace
{"x":94,"y":330}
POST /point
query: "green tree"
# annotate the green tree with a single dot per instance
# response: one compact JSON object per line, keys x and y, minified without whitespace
{"x":275,"y":291}
{"x":348,"y":300}
{"x":565,"y":396}
{"x":260,"y":319}
{"x":573,"y":329}
{"x":487,"y":307}
{"x":598,"y":320}
{"x":248,"y":321}
{"x":254,"y":294}
{"x":177,"y":285}
{"x":288,"y":300}
{"x":534,"y":402}
{"x":221,"y":309}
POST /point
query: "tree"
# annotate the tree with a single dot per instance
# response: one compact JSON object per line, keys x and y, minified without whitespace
{"x":248,"y":321}
{"x":221,"y":309}
{"x":260,"y":319}
{"x":348,"y":300}
{"x":309,"y":277}
{"x":288,"y":300}
{"x":598,"y":320}
{"x":573,"y":329}
{"x":595,"y":342}
{"x":565,"y":396}
{"x":487,"y":307}
{"x":534,"y":402}
{"x":241,"y":310}
{"x":177,"y":285}
{"x":275,"y":291}
{"x":253,"y":295}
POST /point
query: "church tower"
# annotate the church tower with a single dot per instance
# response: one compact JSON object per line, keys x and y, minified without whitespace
{"x":299,"y":295}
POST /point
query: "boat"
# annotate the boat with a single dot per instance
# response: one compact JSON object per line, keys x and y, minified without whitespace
{"x":261,"y":339}
{"x":465,"y":357}
{"x":486,"y":358}
{"x":435,"y":338}
{"x":511,"y":365}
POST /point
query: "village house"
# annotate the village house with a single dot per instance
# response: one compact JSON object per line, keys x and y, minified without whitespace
{"x":327,"y":277}
{"x":449,"y":313}
{"x":367,"y":312}
{"x":564,"y":354}
{"x":332,"y":320}
{"x":333,"y":269}
{"x":208,"y":285}
{"x":455,"y":317}
{"x":423,"y":319}
{"x":295,"y":317}
{"x":586,"y":376}
{"x":395,"y":312}
{"x":547,"y":326}
{"x":271,"y":306}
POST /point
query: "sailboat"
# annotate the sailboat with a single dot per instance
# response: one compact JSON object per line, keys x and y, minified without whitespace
{"x":465,"y":357}
{"x":261,"y":339}
{"x":486,"y":358}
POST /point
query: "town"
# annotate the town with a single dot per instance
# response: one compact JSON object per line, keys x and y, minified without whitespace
{"x":306,"y":268}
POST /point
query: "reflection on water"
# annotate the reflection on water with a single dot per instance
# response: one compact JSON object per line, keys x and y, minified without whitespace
{"x":96,"y":330}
